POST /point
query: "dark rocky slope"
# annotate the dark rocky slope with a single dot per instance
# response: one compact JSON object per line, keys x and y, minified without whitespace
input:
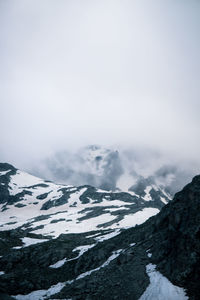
{"x":173,"y":238}
{"x":176,"y":246}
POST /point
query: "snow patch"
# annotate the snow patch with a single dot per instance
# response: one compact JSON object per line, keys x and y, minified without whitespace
{"x":163,"y":200}
{"x":82,"y":250}
{"x":138,"y":218}
{"x":104,"y":191}
{"x":112,"y":257}
{"x":147,"y":196}
{"x":117,"y":208}
{"x":22,"y":179}
{"x":93,"y":235}
{"x":41,"y":294}
{"x":160,"y":288}
{"x":107,"y":236}
{"x":58,"y":264}
{"x":4,"y":172}
{"x":30,"y":241}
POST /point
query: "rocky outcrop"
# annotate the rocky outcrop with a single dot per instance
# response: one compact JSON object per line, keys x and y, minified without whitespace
{"x":109,"y":268}
{"x":176,"y":248}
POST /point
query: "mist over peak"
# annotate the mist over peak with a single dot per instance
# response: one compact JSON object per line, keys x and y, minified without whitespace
{"x":100,"y":101}
{"x":99,"y":72}
{"x":112,"y":169}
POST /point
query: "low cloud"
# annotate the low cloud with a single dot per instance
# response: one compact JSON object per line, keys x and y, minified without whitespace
{"x":124,"y":75}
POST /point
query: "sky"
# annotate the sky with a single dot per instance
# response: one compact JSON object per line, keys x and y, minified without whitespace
{"x":110,"y":72}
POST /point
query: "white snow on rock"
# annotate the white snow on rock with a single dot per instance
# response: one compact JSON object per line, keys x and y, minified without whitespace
{"x":147,"y":196}
{"x":138,"y":218}
{"x":116,"y":208}
{"x":2,"y":272}
{"x":112,"y":257}
{"x":73,"y":225}
{"x":160,"y":288}
{"x":149,"y":255}
{"x":166,"y":194}
{"x":58,"y":264}
{"x":163,"y":200}
{"x":4,"y":172}
{"x":104,"y":191}
{"x":21,"y":180}
{"x":81,"y":249}
{"x":107,"y":236}
{"x":41,"y":294}
{"x":92,"y":235}
{"x":30,"y":241}
{"x":70,"y":216}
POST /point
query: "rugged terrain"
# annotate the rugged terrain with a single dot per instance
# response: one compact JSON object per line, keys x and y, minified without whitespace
{"x":42,"y":207}
{"x":64,"y":242}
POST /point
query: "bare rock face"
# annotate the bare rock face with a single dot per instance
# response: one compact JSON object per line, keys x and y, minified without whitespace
{"x":178,"y":235}
{"x":100,"y":264}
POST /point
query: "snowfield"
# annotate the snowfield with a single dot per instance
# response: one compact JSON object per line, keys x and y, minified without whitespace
{"x":72,"y":215}
{"x":161,"y":288}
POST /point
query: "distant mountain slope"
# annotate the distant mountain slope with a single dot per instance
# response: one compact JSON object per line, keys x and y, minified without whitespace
{"x":112,"y":169}
{"x":42,"y":207}
{"x":92,"y":165}
{"x":158,"y":259}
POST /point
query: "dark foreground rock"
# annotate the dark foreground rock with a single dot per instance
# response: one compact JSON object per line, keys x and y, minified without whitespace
{"x":172,"y":237}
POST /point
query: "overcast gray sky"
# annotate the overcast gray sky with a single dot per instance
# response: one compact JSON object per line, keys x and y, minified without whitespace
{"x":111,"y":72}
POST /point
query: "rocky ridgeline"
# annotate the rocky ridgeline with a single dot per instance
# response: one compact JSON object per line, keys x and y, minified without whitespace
{"x":106,"y":264}
{"x":42,"y":207}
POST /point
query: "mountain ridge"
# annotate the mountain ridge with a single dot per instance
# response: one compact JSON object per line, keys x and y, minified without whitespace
{"x":159,"y":256}
{"x":112,"y":168}
{"x":28,"y":197}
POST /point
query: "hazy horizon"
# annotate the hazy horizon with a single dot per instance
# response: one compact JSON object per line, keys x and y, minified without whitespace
{"x":121,"y":74}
